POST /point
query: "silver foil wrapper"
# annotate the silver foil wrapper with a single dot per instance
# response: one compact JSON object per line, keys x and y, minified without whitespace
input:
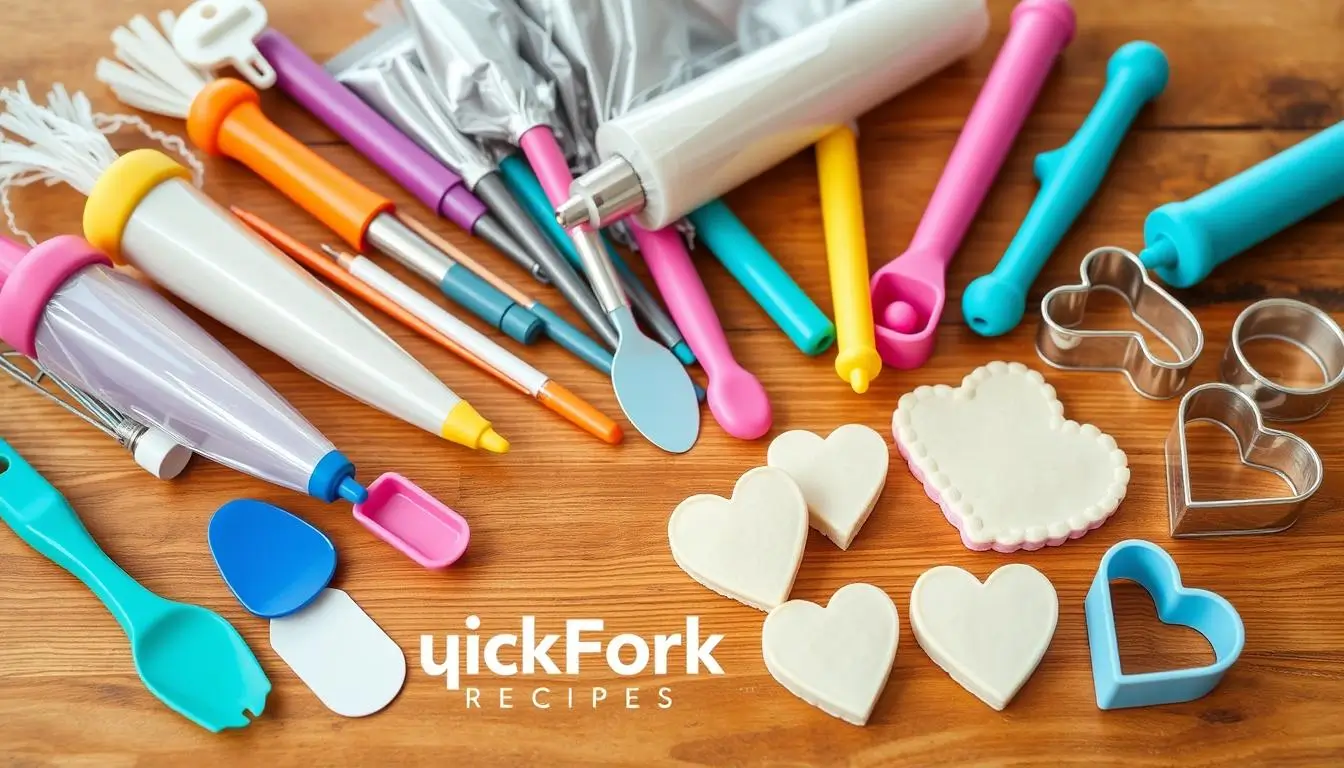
{"x":384,"y":70}
{"x":472,"y":51}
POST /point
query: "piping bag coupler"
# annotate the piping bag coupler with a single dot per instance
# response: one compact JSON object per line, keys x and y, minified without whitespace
{"x":661,"y":161}
{"x":1186,"y":240}
{"x":438,"y":187}
{"x":143,"y":209}
{"x":63,"y":304}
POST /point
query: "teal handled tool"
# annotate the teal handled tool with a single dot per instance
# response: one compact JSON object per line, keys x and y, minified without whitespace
{"x":1186,"y":240}
{"x":190,"y":658}
{"x":1070,"y":176}
{"x":752,"y":265}
{"x":525,"y":186}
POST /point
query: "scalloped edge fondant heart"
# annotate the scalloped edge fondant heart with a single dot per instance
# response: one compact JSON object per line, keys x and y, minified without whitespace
{"x":960,"y":512}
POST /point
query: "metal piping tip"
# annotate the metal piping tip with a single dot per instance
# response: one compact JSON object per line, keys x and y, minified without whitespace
{"x":572,"y":213}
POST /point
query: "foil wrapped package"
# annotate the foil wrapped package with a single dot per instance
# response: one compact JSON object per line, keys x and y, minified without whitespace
{"x":471,"y":50}
{"x":385,"y":71}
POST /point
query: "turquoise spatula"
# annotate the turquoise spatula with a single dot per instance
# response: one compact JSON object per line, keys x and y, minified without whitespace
{"x":189,"y":657}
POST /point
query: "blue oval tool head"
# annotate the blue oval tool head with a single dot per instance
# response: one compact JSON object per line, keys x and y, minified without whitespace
{"x":273,"y":562}
{"x":1205,"y":612}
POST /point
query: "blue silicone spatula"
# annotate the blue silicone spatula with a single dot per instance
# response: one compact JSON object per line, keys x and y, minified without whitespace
{"x":274,"y":562}
{"x":189,"y":657}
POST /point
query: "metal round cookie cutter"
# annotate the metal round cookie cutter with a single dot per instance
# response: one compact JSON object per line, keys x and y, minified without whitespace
{"x":1305,"y":327}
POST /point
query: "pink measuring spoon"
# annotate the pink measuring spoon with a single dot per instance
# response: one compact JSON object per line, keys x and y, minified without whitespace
{"x":735,"y":396}
{"x":909,"y":292}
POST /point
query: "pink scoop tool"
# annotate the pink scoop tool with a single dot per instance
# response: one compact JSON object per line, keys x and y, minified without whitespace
{"x":736,"y":398}
{"x":909,"y":292}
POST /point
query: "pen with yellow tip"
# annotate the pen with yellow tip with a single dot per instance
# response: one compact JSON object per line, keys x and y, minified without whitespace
{"x":408,"y":307}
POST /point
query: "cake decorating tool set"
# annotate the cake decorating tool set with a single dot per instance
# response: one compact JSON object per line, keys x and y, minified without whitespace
{"x":142,"y":208}
{"x":438,"y":187}
{"x":637,"y":53}
{"x":660,"y":108}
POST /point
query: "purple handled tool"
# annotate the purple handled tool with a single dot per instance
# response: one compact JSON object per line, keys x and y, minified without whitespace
{"x":308,"y":83}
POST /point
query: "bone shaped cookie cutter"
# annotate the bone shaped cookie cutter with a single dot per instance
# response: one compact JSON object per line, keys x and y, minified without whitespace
{"x":1062,"y":343}
{"x":1286,"y":455}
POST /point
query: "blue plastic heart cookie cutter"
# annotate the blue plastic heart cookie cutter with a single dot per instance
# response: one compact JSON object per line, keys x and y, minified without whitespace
{"x":1205,"y":612}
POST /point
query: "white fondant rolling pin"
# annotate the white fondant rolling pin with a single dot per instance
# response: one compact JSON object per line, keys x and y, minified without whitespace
{"x":693,"y":144}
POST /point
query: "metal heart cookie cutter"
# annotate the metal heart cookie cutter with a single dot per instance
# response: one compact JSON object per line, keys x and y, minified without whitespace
{"x":1286,"y":455}
{"x":1062,"y":343}
{"x":1292,"y":322}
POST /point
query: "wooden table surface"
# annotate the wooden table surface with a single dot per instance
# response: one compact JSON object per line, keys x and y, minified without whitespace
{"x":564,"y":527}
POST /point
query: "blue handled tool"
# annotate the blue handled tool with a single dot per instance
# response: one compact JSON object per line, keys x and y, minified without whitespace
{"x":523,"y":183}
{"x":191,"y":658}
{"x":488,"y":303}
{"x":752,"y":265}
{"x":1070,"y":176}
{"x":1186,"y":240}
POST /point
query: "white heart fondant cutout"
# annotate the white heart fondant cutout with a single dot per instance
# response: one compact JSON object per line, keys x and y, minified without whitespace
{"x":841,"y":477}
{"x":1009,"y":471}
{"x":748,"y":548}
{"x":836,"y":658}
{"x":989,"y":637}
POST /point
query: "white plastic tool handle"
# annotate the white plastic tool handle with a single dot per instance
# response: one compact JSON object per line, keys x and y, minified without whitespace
{"x":212,"y":33}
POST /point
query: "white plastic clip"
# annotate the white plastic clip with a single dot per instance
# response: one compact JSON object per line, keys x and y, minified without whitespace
{"x":212,"y":33}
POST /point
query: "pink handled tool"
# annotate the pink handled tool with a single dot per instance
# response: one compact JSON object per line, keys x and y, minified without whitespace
{"x":909,"y":292}
{"x":736,"y":397}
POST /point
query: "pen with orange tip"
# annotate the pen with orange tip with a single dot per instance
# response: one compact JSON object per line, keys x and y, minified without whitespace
{"x":404,"y":304}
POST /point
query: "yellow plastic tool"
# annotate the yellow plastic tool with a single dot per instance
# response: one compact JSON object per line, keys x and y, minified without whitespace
{"x":857,"y":360}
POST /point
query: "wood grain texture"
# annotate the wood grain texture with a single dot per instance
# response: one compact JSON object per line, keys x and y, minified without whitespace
{"x":566,"y":528}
